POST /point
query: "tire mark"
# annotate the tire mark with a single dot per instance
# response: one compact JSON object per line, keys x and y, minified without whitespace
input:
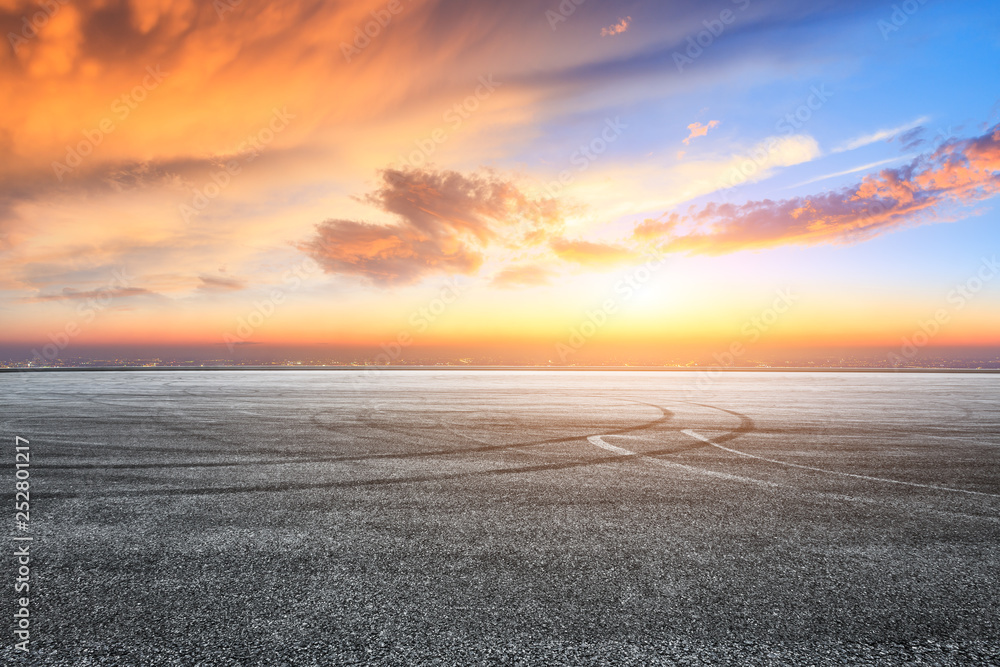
{"x":413,"y":479}
{"x":416,"y":479}
{"x":597,"y":441}
{"x":835,"y":472}
{"x":665,"y":416}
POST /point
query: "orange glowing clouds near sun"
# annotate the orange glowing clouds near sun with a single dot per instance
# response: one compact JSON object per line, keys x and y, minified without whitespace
{"x":326,"y":169}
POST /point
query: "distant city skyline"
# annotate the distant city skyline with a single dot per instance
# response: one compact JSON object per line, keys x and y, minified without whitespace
{"x":958,"y":358}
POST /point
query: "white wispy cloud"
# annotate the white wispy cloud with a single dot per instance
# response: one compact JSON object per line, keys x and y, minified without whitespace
{"x":881,"y":135}
{"x":854,"y":170}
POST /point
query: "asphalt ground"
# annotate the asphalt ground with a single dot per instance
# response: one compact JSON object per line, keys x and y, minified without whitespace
{"x":508,"y":517}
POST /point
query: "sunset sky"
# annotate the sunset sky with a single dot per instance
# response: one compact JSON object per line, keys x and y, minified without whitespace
{"x":459,"y":173}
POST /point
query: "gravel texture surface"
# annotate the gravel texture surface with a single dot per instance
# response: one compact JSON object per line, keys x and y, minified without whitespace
{"x":507,"y":518}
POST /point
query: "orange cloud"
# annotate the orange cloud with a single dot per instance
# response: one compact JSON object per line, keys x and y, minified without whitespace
{"x":522,"y":276}
{"x":392,"y":254}
{"x":617,"y":28}
{"x":588,"y":253}
{"x":699,"y":130}
{"x":959,"y":172}
{"x":220,"y":284}
{"x":652,"y":229}
{"x":445,"y":220}
{"x":70,"y":294}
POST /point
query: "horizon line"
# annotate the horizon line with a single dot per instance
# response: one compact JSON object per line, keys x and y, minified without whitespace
{"x":668,"y":369}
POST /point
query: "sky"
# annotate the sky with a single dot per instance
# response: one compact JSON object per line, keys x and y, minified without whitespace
{"x":574,"y":176}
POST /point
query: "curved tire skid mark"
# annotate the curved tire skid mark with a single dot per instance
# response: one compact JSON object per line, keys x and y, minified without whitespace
{"x":665,"y":415}
{"x":292,"y":459}
{"x":598,"y":441}
{"x":416,"y":479}
{"x":206,"y":491}
{"x":747,"y":425}
{"x":869,"y":478}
